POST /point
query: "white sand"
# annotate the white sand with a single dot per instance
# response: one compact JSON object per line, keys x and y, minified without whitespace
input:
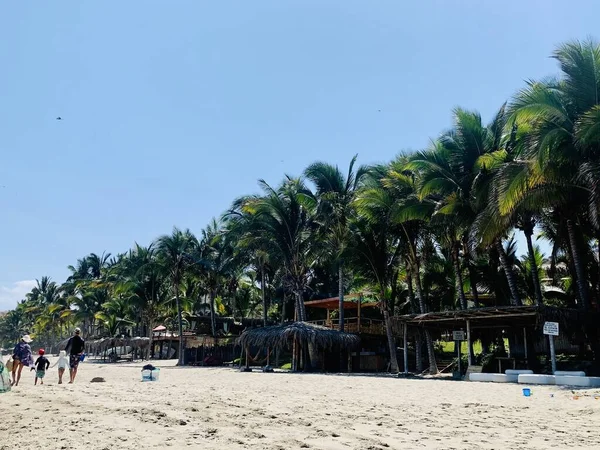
{"x":218,"y":408}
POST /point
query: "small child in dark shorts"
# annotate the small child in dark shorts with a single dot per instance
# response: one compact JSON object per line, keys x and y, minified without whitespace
{"x":41,"y":365}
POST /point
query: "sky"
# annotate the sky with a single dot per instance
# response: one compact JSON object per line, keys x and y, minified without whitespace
{"x":170,"y":110}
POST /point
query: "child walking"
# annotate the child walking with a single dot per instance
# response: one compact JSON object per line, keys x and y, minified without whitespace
{"x":41,"y":365}
{"x":63,"y":364}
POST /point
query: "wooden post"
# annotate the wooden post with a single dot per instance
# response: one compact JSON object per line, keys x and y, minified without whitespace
{"x":405,"y":333}
{"x":458,"y":345}
{"x":247,"y":359}
{"x":268,"y":352}
{"x":525,"y":343}
{"x":294,"y":351}
{"x":358,"y":311}
{"x":469,"y":353}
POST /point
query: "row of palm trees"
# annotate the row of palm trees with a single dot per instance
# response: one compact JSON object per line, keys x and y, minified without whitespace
{"x":430,"y":230}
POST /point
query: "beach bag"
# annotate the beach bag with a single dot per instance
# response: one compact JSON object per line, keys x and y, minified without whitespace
{"x":9,"y":364}
{"x":4,"y":379}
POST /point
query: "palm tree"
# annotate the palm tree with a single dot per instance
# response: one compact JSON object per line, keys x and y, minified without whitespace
{"x":214,"y":254}
{"x":174,"y":252}
{"x":335,"y":195}
{"x":286,"y":226}
{"x":115,"y":315}
{"x":560,"y":121}
{"x":378,"y":243}
{"x":410,"y":212}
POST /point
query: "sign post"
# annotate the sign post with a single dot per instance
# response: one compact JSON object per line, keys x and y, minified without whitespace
{"x":458,"y":337}
{"x":551,"y":330}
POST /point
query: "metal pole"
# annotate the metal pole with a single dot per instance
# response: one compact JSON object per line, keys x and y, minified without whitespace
{"x":552,"y":353}
{"x":469,"y":353}
{"x":405,"y":348}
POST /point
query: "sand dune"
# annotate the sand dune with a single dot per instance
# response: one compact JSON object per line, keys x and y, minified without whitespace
{"x":216,"y":408}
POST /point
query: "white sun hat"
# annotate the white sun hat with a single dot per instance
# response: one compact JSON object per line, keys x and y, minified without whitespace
{"x":27,"y":339}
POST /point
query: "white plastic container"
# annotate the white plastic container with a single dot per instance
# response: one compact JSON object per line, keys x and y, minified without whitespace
{"x":150,"y":375}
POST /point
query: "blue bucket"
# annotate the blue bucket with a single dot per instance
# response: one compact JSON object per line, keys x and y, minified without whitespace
{"x":527,"y":392}
{"x":82,"y":357}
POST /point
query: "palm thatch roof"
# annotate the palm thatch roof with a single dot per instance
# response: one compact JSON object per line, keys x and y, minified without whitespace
{"x":106,"y":343}
{"x":280,"y":336}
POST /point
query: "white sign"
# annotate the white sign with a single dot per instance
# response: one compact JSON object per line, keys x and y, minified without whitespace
{"x":551,"y":328}
{"x":458,"y":335}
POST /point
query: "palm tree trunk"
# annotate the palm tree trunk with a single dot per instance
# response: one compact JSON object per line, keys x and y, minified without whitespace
{"x":390,"y":336}
{"x":283,"y":300}
{"x":180,"y":362}
{"x":472,"y":273}
{"x":535,"y":278}
{"x":411,"y":293}
{"x":581,"y":280}
{"x":300,"y":309}
{"x":341,"y":294}
{"x":433,"y":369}
{"x":458,"y":279}
{"x":598,"y":267}
{"x":213,"y":324}
{"x":343,"y":358}
{"x":419,"y":351}
{"x":282,"y":322}
{"x":510,"y":275}
{"x":262,"y":293}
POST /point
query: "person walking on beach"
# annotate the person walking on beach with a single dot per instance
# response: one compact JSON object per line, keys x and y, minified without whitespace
{"x":41,"y":365}
{"x":63,"y":363}
{"x":75,"y":347}
{"x":21,"y":357}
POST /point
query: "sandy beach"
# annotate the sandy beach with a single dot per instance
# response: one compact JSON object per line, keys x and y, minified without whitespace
{"x":216,"y":408}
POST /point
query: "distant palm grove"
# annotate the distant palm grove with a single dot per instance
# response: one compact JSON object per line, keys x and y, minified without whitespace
{"x":431,"y":230}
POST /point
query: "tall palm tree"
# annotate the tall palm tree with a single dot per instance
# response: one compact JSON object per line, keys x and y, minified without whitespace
{"x":559,"y":117}
{"x":286,"y":226}
{"x":378,"y":243}
{"x":335,"y":209}
{"x":245,"y":228}
{"x":215,"y":256}
{"x":174,"y":251}
{"x":410,"y":212}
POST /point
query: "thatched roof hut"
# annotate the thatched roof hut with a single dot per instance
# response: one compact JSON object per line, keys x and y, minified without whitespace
{"x":280,"y":336}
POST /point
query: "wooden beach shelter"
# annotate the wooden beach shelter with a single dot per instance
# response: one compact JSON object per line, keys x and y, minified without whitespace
{"x":301,"y":337}
{"x":524,"y":323}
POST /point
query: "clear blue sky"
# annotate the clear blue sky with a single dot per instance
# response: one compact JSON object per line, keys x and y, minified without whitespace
{"x":173,"y":108}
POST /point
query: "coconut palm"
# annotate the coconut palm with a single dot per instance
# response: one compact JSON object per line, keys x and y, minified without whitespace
{"x":335,"y":209}
{"x":410,"y":212}
{"x":214,"y":256}
{"x":285,"y":224}
{"x":376,"y":245}
{"x":174,"y":252}
{"x":251,"y":249}
{"x":559,"y":121}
